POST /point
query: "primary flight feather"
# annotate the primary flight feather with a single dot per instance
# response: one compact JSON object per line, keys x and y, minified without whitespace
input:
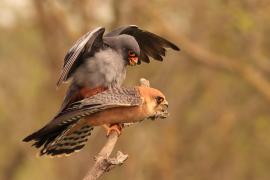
{"x":69,"y":130}
{"x":98,"y":61}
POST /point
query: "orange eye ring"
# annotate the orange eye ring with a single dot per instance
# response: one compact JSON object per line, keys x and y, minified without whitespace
{"x":131,"y":53}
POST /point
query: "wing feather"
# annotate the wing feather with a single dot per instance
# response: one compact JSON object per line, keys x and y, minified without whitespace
{"x":150,"y":44}
{"x":116,"y":97}
{"x":111,"y":98}
{"x":84,"y":45}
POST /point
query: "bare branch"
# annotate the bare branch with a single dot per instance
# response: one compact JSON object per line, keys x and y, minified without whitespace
{"x":252,"y":75}
{"x":103,"y":162}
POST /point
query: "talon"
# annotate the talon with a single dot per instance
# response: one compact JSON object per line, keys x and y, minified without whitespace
{"x":116,"y":127}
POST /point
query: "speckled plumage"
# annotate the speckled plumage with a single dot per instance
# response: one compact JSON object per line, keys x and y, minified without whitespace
{"x":99,"y":61}
{"x":69,"y":130}
{"x":114,"y":97}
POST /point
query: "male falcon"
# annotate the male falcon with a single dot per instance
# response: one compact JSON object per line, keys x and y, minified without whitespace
{"x":97,"y":61}
{"x":69,"y":130}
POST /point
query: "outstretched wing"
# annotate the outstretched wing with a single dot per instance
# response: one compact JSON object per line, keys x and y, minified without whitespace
{"x":150,"y":43}
{"x":85,"y":46}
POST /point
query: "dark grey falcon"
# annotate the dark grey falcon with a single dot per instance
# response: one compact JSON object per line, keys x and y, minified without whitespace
{"x":98,"y":61}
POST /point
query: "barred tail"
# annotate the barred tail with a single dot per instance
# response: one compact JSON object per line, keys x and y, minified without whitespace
{"x":67,"y":143}
{"x":64,"y":140}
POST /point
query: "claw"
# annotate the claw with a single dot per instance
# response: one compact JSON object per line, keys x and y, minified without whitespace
{"x":115,"y":127}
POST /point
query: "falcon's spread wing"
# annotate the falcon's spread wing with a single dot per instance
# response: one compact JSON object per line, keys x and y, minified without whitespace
{"x":85,"y":46}
{"x":150,"y":43}
{"x":66,"y":133}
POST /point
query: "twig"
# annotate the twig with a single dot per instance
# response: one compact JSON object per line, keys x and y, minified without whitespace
{"x":252,"y":75}
{"x":103,"y":162}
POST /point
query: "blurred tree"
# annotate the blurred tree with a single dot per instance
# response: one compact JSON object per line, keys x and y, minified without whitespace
{"x":218,"y":87}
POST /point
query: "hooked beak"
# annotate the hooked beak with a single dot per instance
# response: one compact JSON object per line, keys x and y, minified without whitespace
{"x":133,"y":60}
{"x":162,"y":113}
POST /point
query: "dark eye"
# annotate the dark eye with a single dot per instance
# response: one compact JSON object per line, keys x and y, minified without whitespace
{"x":131,"y":53}
{"x":159,"y":99}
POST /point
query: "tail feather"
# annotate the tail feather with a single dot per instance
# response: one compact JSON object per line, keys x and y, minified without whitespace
{"x":67,"y":142}
{"x":60,"y":140}
{"x":72,"y":95}
{"x":45,"y":134}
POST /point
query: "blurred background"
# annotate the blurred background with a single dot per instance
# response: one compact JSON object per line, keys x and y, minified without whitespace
{"x":218,"y":88}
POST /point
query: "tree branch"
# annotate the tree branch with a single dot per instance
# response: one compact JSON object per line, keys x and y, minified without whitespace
{"x":103,"y":162}
{"x":252,"y":75}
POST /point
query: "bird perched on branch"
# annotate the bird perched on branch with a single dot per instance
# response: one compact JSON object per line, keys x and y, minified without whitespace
{"x":69,"y":130}
{"x":98,"y":61}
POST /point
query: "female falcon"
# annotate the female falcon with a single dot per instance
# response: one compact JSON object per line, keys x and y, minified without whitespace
{"x":70,"y":129}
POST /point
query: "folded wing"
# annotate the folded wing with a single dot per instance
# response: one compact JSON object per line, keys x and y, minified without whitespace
{"x":66,"y":134}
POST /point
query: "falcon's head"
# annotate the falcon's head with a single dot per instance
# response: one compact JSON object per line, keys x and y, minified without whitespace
{"x":155,"y":101}
{"x":125,"y":45}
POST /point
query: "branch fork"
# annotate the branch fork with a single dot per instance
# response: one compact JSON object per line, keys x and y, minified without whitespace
{"x":103,"y":161}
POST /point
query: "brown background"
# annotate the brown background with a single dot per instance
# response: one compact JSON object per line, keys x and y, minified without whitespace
{"x":218,"y":88}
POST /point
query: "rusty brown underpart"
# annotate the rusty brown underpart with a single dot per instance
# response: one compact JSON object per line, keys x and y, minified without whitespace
{"x":113,"y":119}
{"x":87,"y":92}
{"x":117,"y":115}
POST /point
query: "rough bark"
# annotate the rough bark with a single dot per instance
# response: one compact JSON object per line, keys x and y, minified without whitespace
{"x":103,"y":161}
